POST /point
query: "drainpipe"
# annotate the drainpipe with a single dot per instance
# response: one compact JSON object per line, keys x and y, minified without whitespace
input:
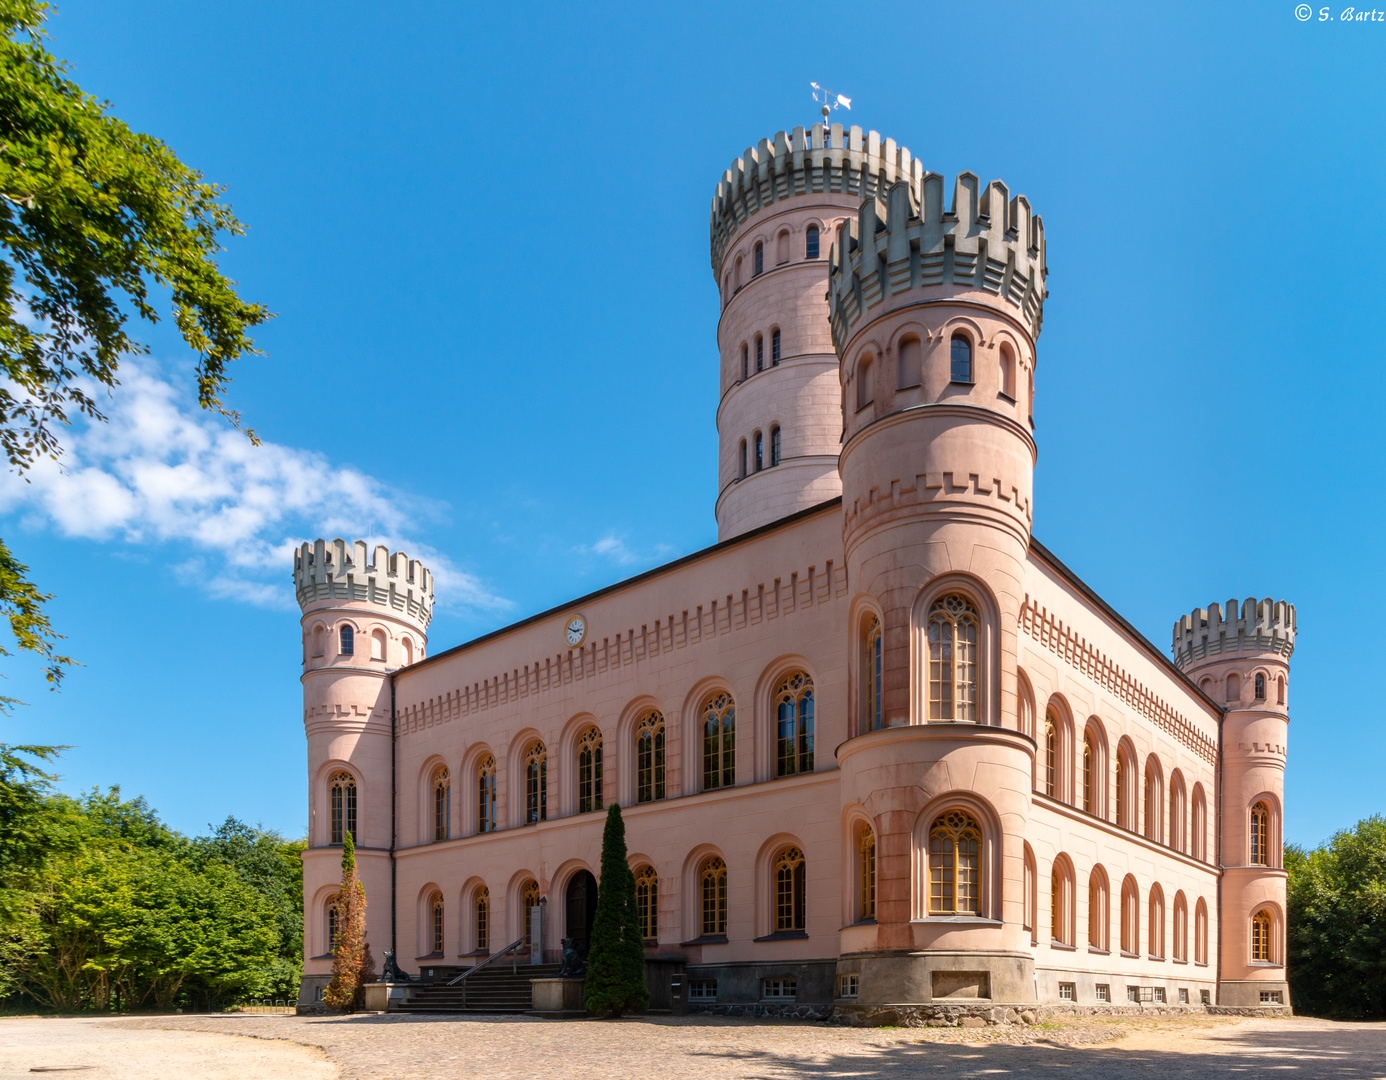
{"x":1217,"y":971}
{"x":394,"y":732}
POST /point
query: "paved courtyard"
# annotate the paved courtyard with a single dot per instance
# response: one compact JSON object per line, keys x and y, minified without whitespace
{"x":500,"y":1048}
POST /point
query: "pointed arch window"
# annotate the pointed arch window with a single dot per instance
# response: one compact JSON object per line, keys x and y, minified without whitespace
{"x":1156,"y":930}
{"x":1201,"y":932}
{"x":873,"y":681}
{"x":811,"y":242}
{"x":1097,"y":911}
{"x":342,"y":795}
{"x":1089,"y":764}
{"x":1051,"y":755}
{"x":960,"y":356}
{"x":1130,"y":918}
{"x":649,"y":758}
{"x":1260,"y":835}
{"x":955,"y":864}
{"x":1154,"y":801}
{"x":719,"y":742}
{"x":536,"y":783}
{"x":486,"y":794}
{"x":866,"y":872}
{"x":712,"y":883}
{"x":1261,"y":937}
{"x":1181,"y":927}
{"x":435,"y":925}
{"x":794,"y":710}
{"x":789,"y":890}
{"x":529,"y":900}
{"x":442,"y":804}
{"x":334,"y":923}
{"x":953,"y":626}
{"x":481,"y":915}
{"x":1123,"y":788}
{"x":590,"y":771}
{"x":347,"y":640}
{"x":647,"y":903}
{"x":1057,"y":922}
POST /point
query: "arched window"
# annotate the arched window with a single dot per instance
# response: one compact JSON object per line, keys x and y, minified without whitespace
{"x":481,"y":915}
{"x":1130,"y":918}
{"x":782,"y":248}
{"x":1156,"y":930}
{"x":529,"y":900}
{"x":1025,"y":706}
{"x":738,"y":273}
{"x":1007,"y":371}
{"x":774,"y":348}
{"x":486,"y":794}
{"x":719,"y":741}
{"x":647,"y":903}
{"x":960,"y":356}
{"x":774,"y":445}
{"x":348,"y":640}
{"x":1201,"y":932}
{"x":649,"y":758}
{"x":1123,"y":791}
{"x":866,"y":872}
{"x":759,"y":260}
{"x":760,"y":451}
{"x":745,"y":362}
{"x":319,"y":641}
{"x":334,"y":922}
{"x":1089,"y":767}
{"x":442,"y":804}
{"x":1234,"y":687}
{"x":1177,"y":837}
{"x":408,"y":651}
{"x":1030,"y":896}
{"x":760,"y":353}
{"x":342,"y":794}
{"x":909,"y":364}
{"x":1260,"y":685}
{"x":1060,"y":903}
{"x":1260,"y":835}
{"x":873,"y":678}
{"x":712,"y":887}
{"x":1181,"y":927}
{"x":794,"y":712}
{"x":1097,"y":911}
{"x":953,"y":659}
{"x":1154,"y":801}
{"x":1051,"y":754}
{"x":435,"y":925}
{"x":789,"y":890}
{"x":741,"y":461}
{"x":865,"y":389}
{"x":1261,"y":937}
{"x":955,"y":865}
{"x":811,"y":242}
{"x":377,"y":644}
{"x":536,"y":783}
{"x":1280,"y":689}
{"x":589,"y":771}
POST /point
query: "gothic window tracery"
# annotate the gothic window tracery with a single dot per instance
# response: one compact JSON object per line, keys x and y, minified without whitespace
{"x":536,"y":783}
{"x":649,"y":757}
{"x":712,"y":882}
{"x":866,"y":872}
{"x":486,"y":794}
{"x":1260,"y":835}
{"x":953,"y":626}
{"x":529,"y":900}
{"x":794,"y":714}
{"x":342,"y":796}
{"x":955,"y":864}
{"x":442,"y":804}
{"x":873,"y":681}
{"x":647,"y":903}
{"x":589,"y":770}
{"x":1261,"y":937}
{"x":435,"y":911}
{"x":789,"y":890}
{"x":719,"y":741}
{"x":482,"y":919}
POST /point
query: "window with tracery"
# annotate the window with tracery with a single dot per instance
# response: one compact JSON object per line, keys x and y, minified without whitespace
{"x":482,"y":916}
{"x":442,"y":804}
{"x":589,"y":771}
{"x":435,"y":911}
{"x":794,"y":735}
{"x":647,"y":903}
{"x":1261,"y":937}
{"x":719,"y":742}
{"x":342,"y":795}
{"x":334,"y":916}
{"x":953,"y":626}
{"x":955,"y":864}
{"x":649,"y":758}
{"x":866,"y":870}
{"x":536,"y":783}
{"x":1260,"y":835}
{"x":712,"y":887}
{"x":347,"y":637}
{"x":486,"y":794}
{"x":1089,"y":762}
{"x":1051,"y":754}
{"x":873,"y":680}
{"x":789,"y":890}
{"x":529,"y":900}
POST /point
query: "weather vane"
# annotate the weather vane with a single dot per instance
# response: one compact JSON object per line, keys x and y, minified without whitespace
{"x":829,"y":101}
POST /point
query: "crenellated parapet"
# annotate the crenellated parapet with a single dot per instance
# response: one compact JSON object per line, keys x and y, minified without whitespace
{"x":816,"y":160}
{"x":903,"y":238}
{"x":1259,"y":627}
{"x":334,"y":570}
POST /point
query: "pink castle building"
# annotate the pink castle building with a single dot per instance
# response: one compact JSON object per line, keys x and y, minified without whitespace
{"x":878,"y":750}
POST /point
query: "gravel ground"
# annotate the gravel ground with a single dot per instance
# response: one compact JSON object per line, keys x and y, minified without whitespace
{"x":667,"y":1048}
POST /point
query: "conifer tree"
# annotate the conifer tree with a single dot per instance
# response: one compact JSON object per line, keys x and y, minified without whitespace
{"x":616,"y":957}
{"x":351,"y":957}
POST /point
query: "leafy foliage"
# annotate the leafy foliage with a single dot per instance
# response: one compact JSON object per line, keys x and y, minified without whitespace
{"x":352,"y":966}
{"x":1337,"y":924}
{"x":616,"y":956}
{"x":94,"y":219}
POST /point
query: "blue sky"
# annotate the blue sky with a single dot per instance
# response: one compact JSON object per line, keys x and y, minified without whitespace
{"x":484,"y":231}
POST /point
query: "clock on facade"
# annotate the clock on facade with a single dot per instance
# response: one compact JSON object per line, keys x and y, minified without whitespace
{"x":575,"y":630}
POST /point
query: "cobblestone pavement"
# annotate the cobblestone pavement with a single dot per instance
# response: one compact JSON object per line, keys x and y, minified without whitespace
{"x":668,"y":1048}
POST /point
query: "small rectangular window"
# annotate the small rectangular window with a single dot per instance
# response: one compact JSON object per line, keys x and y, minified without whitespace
{"x":847,"y":986}
{"x":702,"y":990}
{"x":1133,"y":993}
{"x":779,"y":989}
{"x":1160,"y":995}
{"x":1205,"y":997}
{"x":1067,"y":991}
{"x":1104,"y":992}
{"x":1271,"y":997}
{"x":1183,"y":995}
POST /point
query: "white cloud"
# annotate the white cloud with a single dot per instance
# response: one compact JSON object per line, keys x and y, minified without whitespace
{"x":615,"y":549}
{"x":161,"y":471}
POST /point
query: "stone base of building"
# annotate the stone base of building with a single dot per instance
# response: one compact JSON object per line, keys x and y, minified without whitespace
{"x":959,"y":979}
{"x":1253,"y":993}
{"x":310,"y":988}
{"x":742,"y":987}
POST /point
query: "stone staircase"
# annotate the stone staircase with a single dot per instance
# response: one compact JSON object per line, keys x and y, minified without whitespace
{"x":492,"y":990}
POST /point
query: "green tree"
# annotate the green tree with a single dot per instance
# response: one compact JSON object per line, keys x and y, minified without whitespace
{"x":352,"y":966}
{"x":1336,"y":924}
{"x":616,"y":956}
{"x":95,"y":219}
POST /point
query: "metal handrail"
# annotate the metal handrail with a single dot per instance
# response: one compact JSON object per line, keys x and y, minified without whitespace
{"x":514,"y":962}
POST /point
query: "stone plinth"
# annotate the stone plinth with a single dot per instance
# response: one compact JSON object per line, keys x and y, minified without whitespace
{"x":381,"y":995}
{"x":558,"y":998}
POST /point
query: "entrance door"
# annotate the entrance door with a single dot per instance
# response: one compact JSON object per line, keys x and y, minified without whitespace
{"x":582,"y":908}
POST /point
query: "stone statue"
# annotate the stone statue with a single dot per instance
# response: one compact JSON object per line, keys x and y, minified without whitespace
{"x":390,"y":971}
{"x":574,"y":960}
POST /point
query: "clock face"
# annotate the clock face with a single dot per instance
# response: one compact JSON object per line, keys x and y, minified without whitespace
{"x":575,"y":631}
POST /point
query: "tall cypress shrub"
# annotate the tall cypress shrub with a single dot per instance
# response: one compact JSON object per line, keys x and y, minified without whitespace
{"x":616,"y":956}
{"x":351,"y":957}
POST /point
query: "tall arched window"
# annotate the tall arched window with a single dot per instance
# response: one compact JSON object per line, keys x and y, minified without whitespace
{"x":1098,"y":919}
{"x":435,"y":925}
{"x":649,"y":758}
{"x":789,"y":890}
{"x":319,"y":640}
{"x":334,"y":922}
{"x":1234,"y":687}
{"x":760,"y":353}
{"x":1025,"y":706}
{"x":1260,"y":687}
{"x":873,"y":678}
{"x":955,"y":864}
{"x":529,"y":900}
{"x":1181,"y":927}
{"x":647,"y":903}
{"x":347,"y":638}
{"x":1201,"y":932}
{"x":953,"y":627}
{"x":1261,"y":937}
{"x":481,"y":915}
{"x":759,"y":257}
{"x":811,"y":242}
{"x":1123,"y":791}
{"x":1007,"y":371}
{"x":442,"y":804}
{"x":1280,"y":689}
{"x":774,"y":348}
{"x":741,"y":461}
{"x":1260,"y":835}
{"x":866,"y":872}
{"x":589,"y":748}
{"x":1156,"y":930}
{"x":1030,"y":896}
{"x":486,"y":794}
{"x":1089,"y":767}
{"x":712,"y":889}
{"x":1060,"y":902}
{"x":377,"y":644}
{"x":1130,"y":918}
{"x":960,"y":357}
{"x":1177,"y":835}
{"x":909,"y":364}
{"x":760,"y":451}
{"x":342,"y":796}
{"x":774,"y":445}
{"x":719,"y":741}
{"x":1153,"y":801}
{"x":536,"y":783}
{"x":782,"y":248}
{"x":745,"y":361}
{"x":408,"y":651}
{"x":1199,"y":825}
{"x":794,"y":714}
{"x":1051,"y":754}
{"x":865,"y":380}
